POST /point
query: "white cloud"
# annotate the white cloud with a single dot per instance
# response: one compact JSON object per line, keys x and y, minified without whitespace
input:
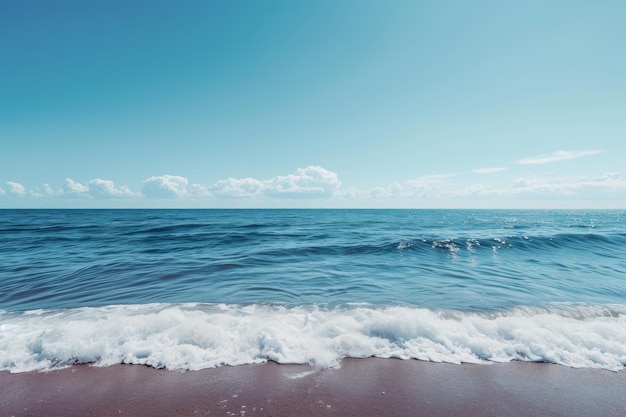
{"x":352,"y":192}
{"x":72,"y":187}
{"x":238,"y":187}
{"x":440,"y":187}
{"x":556,"y":156}
{"x":173,"y":186}
{"x":312,"y":181}
{"x":16,"y":188}
{"x":609,"y":180}
{"x":100,"y":188}
{"x":567,"y":186}
{"x":198,"y":191}
{"x":316,"y":182}
{"x":430,"y":186}
{"x":165,"y":186}
{"x":394,"y":190}
{"x":309,"y":182}
{"x":489,"y":170}
{"x":43,"y":191}
{"x":427,"y":186}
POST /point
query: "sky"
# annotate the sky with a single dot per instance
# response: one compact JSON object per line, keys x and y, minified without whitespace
{"x":330,"y":104}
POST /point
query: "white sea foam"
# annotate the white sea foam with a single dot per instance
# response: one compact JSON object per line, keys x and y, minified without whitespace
{"x":196,"y":336}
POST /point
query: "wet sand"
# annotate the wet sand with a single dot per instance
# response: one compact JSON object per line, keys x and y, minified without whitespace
{"x":360,"y":387}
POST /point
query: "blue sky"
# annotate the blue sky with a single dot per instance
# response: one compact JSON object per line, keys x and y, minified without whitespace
{"x":313,"y":104}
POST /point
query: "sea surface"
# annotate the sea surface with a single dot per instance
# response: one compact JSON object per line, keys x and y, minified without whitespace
{"x":191,"y":289}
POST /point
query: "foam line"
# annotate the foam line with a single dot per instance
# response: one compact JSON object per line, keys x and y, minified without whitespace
{"x":197,"y":336}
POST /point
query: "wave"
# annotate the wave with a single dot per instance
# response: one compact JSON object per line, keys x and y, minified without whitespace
{"x":606,"y":245}
{"x":196,"y":336}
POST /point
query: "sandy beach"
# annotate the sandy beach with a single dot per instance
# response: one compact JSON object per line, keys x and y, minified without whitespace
{"x":360,"y":387}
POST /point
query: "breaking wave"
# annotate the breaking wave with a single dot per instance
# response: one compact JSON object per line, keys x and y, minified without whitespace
{"x":197,"y":336}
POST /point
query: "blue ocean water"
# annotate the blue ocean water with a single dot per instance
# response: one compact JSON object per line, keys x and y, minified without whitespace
{"x":199,"y":288}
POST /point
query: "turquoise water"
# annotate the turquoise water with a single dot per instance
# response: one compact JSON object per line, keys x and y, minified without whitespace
{"x":242,"y":286}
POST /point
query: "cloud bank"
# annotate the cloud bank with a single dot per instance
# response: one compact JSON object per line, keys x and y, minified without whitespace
{"x":310,"y":182}
{"x":96,"y":188}
{"x":317,"y":184}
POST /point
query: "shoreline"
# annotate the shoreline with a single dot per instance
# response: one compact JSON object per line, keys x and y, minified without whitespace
{"x":360,"y":387}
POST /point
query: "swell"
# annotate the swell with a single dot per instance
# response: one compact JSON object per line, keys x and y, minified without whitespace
{"x":465,"y":273}
{"x":472,"y":260}
{"x":534,"y":244}
{"x":297,"y":244}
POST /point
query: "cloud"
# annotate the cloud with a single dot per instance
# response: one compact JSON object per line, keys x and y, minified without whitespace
{"x":568,"y":186}
{"x":173,"y":186}
{"x":430,"y":186}
{"x":490,"y":170}
{"x":72,"y":187}
{"x":556,"y":157}
{"x":198,"y":191}
{"x":394,"y":190}
{"x":96,"y":188}
{"x":427,"y":186}
{"x":310,"y":182}
{"x":354,"y":193}
{"x":238,"y":187}
{"x":440,"y":187}
{"x":16,"y":188}
{"x":315,"y":182}
{"x":610,"y":180}
{"x":100,"y":188}
{"x":43,"y":191}
{"x":165,"y":186}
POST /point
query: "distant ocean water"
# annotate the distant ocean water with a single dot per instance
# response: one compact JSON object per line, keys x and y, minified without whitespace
{"x":190,"y":289}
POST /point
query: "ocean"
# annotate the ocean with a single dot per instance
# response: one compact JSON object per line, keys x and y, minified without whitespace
{"x":194,"y":289}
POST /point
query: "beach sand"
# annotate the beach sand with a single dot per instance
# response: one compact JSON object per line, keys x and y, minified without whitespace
{"x":360,"y":387}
